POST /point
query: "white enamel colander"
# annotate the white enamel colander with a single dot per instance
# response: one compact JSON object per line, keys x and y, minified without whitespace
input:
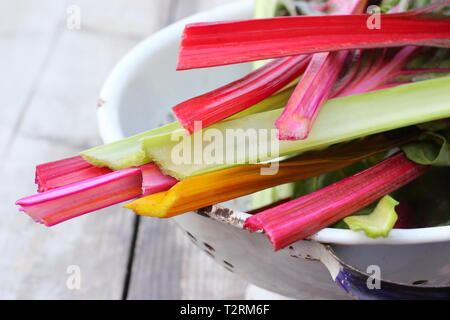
{"x":138,"y":96}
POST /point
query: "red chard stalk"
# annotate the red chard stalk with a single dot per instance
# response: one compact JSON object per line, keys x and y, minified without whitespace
{"x":297,"y":219}
{"x":227,"y":42}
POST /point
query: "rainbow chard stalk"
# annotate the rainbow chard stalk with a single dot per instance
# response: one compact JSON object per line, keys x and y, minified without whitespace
{"x":304,"y":216}
{"x":64,"y":172}
{"x":200,"y":191}
{"x":372,"y":77}
{"x":153,"y":180}
{"x":239,"y":95}
{"x":73,"y":200}
{"x":88,"y":189}
{"x":129,"y":152}
{"x":220,"y":43}
{"x":390,"y":71}
{"x":341,"y":119}
{"x":313,"y":90}
{"x":315,"y":87}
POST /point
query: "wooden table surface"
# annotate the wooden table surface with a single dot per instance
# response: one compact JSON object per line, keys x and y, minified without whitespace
{"x":51,"y":77}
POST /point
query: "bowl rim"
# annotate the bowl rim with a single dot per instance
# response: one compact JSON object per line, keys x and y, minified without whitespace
{"x":111,"y":130}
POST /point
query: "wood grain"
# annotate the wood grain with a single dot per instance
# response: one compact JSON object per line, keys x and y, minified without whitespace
{"x":166,"y":264}
{"x":55,"y":74}
{"x":51,"y":79}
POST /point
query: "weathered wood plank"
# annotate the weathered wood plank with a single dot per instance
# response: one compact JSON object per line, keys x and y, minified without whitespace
{"x":56,"y":75}
{"x":35,"y":259}
{"x":166,"y":264}
{"x":156,"y":270}
{"x":26,"y":44}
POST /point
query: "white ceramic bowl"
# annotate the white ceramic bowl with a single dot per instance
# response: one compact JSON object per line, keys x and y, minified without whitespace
{"x":138,"y":95}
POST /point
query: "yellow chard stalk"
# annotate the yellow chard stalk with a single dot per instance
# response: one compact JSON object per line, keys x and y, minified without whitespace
{"x":214,"y":187}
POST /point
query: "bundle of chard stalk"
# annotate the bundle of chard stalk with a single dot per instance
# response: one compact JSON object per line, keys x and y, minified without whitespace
{"x":358,"y":96}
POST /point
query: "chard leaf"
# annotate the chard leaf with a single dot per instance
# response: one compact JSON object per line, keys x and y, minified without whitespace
{"x":429,"y":57}
{"x":425,"y":202}
{"x":431,"y":149}
{"x":387,"y":5}
{"x":438,"y":125}
{"x":379,"y":222}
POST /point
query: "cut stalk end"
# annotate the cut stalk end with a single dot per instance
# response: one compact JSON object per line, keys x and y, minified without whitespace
{"x":293,"y":128}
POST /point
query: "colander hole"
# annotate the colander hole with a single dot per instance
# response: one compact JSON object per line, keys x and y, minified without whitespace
{"x":209,"y":247}
{"x":191,"y":236}
{"x":228,"y":264}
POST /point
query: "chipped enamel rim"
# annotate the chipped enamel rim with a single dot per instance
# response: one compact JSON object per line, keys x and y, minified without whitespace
{"x":111,"y":130}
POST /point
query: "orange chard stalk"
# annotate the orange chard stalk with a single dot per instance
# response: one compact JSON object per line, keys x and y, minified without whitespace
{"x":211,"y":188}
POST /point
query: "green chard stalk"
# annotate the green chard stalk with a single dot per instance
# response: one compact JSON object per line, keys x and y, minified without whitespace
{"x":129,"y":152}
{"x":342,"y":119}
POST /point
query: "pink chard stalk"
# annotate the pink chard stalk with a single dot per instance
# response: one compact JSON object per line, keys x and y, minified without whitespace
{"x":72,"y":187}
{"x":314,"y":88}
{"x":63,"y":172}
{"x":60,"y":204}
{"x":297,"y":219}
{"x":153,"y":180}
{"x":380,"y":74}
